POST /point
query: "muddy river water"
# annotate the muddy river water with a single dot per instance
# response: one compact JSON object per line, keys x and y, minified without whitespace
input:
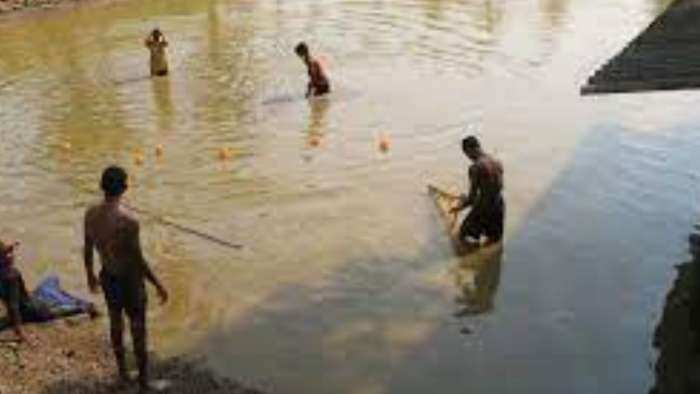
{"x":347,"y":283}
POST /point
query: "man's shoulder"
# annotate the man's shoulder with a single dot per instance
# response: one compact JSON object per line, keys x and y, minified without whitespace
{"x":489,"y":159}
{"x":128,"y":218}
{"x":496,"y":162}
{"x":92,"y":210}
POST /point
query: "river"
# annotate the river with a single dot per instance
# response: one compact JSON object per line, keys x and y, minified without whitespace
{"x":347,"y":283}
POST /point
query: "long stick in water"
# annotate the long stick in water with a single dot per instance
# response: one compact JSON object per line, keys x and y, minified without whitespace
{"x":186,"y":229}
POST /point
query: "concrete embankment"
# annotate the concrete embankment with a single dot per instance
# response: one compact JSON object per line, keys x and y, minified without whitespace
{"x":666,"y":55}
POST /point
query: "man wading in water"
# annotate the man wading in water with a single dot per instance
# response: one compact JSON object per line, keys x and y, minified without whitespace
{"x":115,"y":235}
{"x":318,"y":80}
{"x":488,"y":208}
{"x":156,"y":44}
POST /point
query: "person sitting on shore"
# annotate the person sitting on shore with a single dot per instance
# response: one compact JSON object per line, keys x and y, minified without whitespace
{"x":48,"y":302}
{"x":318,"y":80}
{"x":13,"y":291}
{"x":156,"y":44}
{"x":485,"y":196}
{"x":115,"y":235}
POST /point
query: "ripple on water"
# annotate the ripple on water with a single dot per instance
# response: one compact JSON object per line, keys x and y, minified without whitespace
{"x":343,"y":253}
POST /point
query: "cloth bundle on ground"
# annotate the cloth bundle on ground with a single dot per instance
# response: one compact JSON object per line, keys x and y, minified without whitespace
{"x":48,"y":302}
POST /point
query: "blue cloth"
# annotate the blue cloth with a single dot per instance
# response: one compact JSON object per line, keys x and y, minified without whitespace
{"x":48,"y":302}
{"x":59,"y":302}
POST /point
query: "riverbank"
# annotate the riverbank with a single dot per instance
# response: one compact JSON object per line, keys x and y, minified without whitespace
{"x":677,"y":336}
{"x":74,"y":356}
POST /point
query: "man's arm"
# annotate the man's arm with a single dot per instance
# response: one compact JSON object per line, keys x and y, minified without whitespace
{"x":309,"y":88}
{"x":137,"y":255}
{"x":470,"y":199}
{"x":474,"y":187}
{"x":88,"y":255}
{"x":12,"y":304}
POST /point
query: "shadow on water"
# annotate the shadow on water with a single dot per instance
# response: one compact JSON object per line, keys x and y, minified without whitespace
{"x":576,"y":319}
{"x":587,"y":331}
{"x":567,"y":313}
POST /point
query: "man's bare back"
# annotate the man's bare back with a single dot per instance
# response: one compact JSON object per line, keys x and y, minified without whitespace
{"x":485,"y":195}
{"x":487,"y":175}
{"x":115,"y":235}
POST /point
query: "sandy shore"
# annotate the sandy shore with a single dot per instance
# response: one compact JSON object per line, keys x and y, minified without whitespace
{"x":74,"y":356}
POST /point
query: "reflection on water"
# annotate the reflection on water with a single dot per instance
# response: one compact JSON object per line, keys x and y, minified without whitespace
{"x":317,"y":121}
{"x":346,"y":284}
{"x":554,"y":12}
{"x":164,"y":103}
{"x":477,"y":277}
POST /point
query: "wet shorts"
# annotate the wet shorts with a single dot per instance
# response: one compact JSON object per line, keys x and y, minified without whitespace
{"x":485,"y":219}
{"x":320,"y":90}
{"x":124,"y":294}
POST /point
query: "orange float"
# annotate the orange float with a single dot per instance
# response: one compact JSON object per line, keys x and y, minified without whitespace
{"x":159,"y":150}
{"x":384,"y":144}
{"x":225,"y":153}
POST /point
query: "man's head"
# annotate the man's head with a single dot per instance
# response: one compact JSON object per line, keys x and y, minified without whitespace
{"x":7,"y":252}
{"x":156,"y":34}
{"x":471,"y":147}
{"x":114,"y":182}
{"x":302,"y":50}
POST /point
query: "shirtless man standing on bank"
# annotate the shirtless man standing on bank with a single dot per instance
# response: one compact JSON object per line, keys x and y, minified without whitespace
{"x":115,"y":235}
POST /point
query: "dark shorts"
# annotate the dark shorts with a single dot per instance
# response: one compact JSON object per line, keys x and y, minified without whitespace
{"x":124,"y":294}
{"x":320,"y":90}
{"x":159,"y":73}
{"x":485,"y":219}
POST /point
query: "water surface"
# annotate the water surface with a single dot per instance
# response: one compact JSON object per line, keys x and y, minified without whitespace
{"x":347,"y":283}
